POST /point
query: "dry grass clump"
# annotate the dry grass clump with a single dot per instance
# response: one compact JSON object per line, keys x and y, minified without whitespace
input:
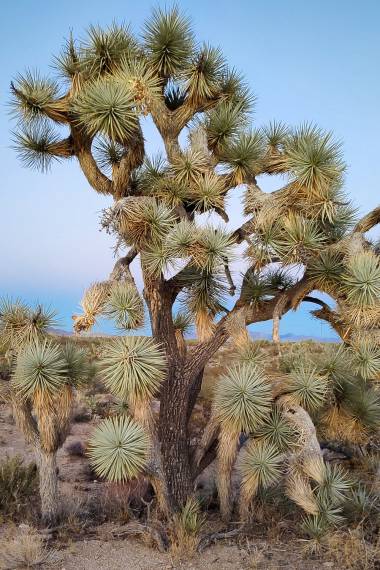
{"x":18,"y":484}
{"x":25,"y":550}
{"x":350,"y":550}
{"x":185,"y":529}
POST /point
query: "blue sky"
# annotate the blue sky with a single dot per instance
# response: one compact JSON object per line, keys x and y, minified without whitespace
{"x":315,"y":60}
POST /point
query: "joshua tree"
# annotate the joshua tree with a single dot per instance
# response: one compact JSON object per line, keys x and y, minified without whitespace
{"x":43,"y":383}
{"x":298,"y":239}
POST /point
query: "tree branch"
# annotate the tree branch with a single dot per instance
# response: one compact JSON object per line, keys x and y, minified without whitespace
{"x":368,"y":221}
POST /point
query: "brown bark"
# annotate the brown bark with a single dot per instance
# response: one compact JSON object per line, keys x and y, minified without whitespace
{"x":48,"y":486}
{"x":173,"y":434}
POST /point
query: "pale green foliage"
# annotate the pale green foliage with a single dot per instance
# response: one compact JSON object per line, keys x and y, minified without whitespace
{"x":252,"y":353}
{"x":260,"y":466}
{"x":366,"y":357}
{"x":243,"y":397}
{"x":361,"y":280}
{"x":314,"y":159}
{"x":223,"y":123}
{"x":106,"y":107}
{"x":125,"y":306}
{"x":191,"y":518}
{"x":181,"y":239}
{"x":213,"y":248}
{"x":40,"y":368}
{"x":168,"y":39}
{"x":276,"y":134}
{"x":307,"y":388}
{"x":189,"y":166}
{"x":20,"y":325}
{"x":326,"y":269}
{"x":183,"y":322}
{"x":133,"y":368}
{"x":244,"y":155}
{"x":145,"y":221}
{"x":203,"y":76}
{"x":277,"y":431}
{"x":105,"y":49}
{"x":208,"y":193}
{"x":36,"y":144}
{"x":32,"y":94}
{"x":78,"y":370}
{"x":118,"y":449}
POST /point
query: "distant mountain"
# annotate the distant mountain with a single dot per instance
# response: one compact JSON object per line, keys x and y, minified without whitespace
{"x":290,"y":337}
{"x":287,"y":337}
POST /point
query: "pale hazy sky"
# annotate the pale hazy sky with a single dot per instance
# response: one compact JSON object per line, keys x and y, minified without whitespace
{"x":306,"y":61}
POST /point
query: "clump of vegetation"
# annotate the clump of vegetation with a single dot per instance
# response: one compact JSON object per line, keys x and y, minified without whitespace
{"x":186,"y":528}
{"x":25,"y":550}
{"x":18,"y":485}
{"x":302,"y":241}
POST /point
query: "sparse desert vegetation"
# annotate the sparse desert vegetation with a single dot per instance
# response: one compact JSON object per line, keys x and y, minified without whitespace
{"x":169,"y":448}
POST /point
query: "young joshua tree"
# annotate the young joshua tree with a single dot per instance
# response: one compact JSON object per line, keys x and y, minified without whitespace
{"x":45,"y":375}
{"x":298,"y":239}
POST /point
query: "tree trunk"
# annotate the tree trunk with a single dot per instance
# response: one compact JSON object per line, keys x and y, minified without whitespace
{"x":174,"y":438}
{"x":48,"y":486}
{"x":172,"y":430}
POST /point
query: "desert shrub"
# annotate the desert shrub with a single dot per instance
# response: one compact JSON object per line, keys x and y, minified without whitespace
{"x":25,"y":550}
{"x":185,"y":529}
{"x":18,"y":484}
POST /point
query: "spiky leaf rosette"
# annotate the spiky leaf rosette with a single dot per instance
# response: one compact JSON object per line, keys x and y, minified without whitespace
{"x":104,"y":50}
{"x":243,"y":398}
{"x":20,"y":325}
{"x":203,"y":291}
{"x":213,"y":248}
{"x":208,"y":193}
{"x":181,"y":239}
{"x":41,"y":371}
{"x":118,"y":449}
{"x":334,"y":486}
{"x":366,"y":357}
{"x":361,"y":280}
{"x":276,"y":134}
{"x":78,"y":368}
{"x":106,"y":107}
{"x":260,"y":466}
{"x":277,"y":431}
{"x":362,"y":403}
{"x":32,"y":95}
{"x":326,"y":269}
{"x":168,"y":40}
{"x":144,"y":220}
{"x":38,"y":145}
{"x":255,"y":287}
{"x":133,"y":368}
{"x":314,"y":159}
{"x":125,"y":306}
{"x":299,"y":239}
{"x":223,"y":123}
{"x":202,"y":77}
{"x":252,"y":353}
{"x":189,"y":166}
{"x":307,"y":388}
{"x":142,"y":82}
{"x":183,"y":322}
{"x":244,"y":156}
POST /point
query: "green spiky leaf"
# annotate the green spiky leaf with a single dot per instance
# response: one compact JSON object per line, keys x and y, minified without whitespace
{"x":242,"y":400}
{"x":118,"y":449}
{"x":133,"y":368}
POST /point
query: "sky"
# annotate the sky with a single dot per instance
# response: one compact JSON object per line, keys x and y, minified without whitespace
{"x":304,"y":60}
